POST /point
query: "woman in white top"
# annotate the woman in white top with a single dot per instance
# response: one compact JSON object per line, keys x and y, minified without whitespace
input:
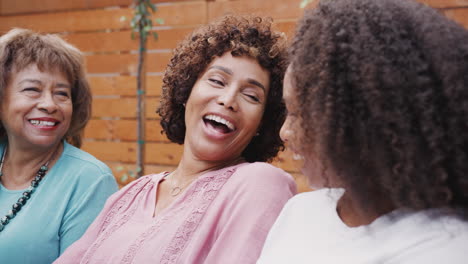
{"x":377,"y":98}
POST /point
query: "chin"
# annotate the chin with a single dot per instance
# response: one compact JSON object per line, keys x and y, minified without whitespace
{"x":45,"y":142}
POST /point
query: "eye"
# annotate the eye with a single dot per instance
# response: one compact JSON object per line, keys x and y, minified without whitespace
{"x":253,"y":98}
{"x":216,"y":81}
{"x":31,"y":89}
{"x":63,"y":93}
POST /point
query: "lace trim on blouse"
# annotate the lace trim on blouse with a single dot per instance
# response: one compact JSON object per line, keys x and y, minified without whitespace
{"x":127,"y":200}
{"x":207,"y":188}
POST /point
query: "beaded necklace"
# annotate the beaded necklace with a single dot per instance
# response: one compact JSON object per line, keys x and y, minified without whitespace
{"x":16,"y":207}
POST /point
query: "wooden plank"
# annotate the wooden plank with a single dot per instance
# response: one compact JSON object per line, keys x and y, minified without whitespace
{"x":125,"y":63}
{"x":277,"y":9}
{"x":111,"y":151}
{"x":9,"y":7}
{"x":445,"y":3}
{"x":459,"y":15}
{"x":122,"y":107}
{"x":151,"y":106}
{"x":155,"y":153}
{"x":124,"y":130}
{"x":182,"y":13}
{"x":163,"y":154}
{"x":288,"y":28}
{"x":122,"y":41}
{"x":119,"y":169}
{"x":124,"y":85}
{"x":69,"y":21}
{"x":114,"y":107}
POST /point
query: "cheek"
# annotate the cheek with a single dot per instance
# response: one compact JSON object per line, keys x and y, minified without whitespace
{"x":67,"y":110}
{"x":254,"y":118}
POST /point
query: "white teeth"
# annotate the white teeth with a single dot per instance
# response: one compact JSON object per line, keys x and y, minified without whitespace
{"x":42,"y":123}
{"x":221,"y":120}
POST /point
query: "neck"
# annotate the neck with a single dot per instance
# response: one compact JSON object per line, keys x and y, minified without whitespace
{"x":354,"y":214}
{"x":191,"y":167}
{"x":20,"y":165}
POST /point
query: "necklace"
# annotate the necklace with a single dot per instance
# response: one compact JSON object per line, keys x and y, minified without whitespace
{"x":26,"y":194}
{"x":177,"y":189}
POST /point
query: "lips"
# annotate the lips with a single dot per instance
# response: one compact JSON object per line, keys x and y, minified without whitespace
{"x":219,"y":123}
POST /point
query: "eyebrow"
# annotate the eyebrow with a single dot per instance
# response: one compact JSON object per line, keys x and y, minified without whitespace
{"x":229,"y":71}
{"x":60,"y":85}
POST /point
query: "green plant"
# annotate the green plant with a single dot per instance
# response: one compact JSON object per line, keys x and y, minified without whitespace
{"x":304,"y":3}
{"x":142,"y":26}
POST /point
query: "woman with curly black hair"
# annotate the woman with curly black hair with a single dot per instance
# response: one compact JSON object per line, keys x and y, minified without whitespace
{"x":377,"y":98}
{"x":222,"y":99}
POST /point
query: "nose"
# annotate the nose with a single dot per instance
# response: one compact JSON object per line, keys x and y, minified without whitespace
{"x":286,"y":133}
{"x":47,"y":104}
{"x":228,"y":99}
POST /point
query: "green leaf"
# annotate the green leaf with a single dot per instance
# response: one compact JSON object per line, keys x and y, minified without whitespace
{"x":124,"y":178}
{"x":123,"y":18}
{"x":304,"y":3}
{"x":119,"y":168}
{"x":160,"y":21}
{"x":155,"y":35}
{"x":151,"y":6}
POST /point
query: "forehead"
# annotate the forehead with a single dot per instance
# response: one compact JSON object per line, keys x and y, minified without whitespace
{"x":242,"y":66}
{"x":288,"y":84}
{"x":33,"y":70}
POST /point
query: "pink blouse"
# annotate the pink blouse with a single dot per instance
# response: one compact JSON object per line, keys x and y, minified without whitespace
{"x":222,"y":217}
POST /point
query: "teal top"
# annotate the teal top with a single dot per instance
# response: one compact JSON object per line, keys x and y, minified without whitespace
{"x":60,"y":210}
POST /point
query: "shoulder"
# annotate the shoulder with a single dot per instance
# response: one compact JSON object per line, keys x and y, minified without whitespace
{"x":76,"y":160}
{"x":254,"y":180}
{"x":126,"y":195}
{"x":261,"y":173}
{"x":313,"y":201}
{"x":436,"y":239}
{"x":141,"y":183}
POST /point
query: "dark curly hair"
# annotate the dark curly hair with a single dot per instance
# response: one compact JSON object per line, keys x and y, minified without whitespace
{"x":382,"y":88}
{"x":20,"y":48}
{"x":242,"y":36}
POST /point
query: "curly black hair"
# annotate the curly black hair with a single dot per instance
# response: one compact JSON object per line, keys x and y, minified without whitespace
{"x":383,"y":93}
{"x":242,"y":36}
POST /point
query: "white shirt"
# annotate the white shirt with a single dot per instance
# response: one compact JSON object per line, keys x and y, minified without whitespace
{"x":309,"y":230}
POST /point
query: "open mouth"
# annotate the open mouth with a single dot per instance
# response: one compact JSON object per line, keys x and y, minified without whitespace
{"x":219,"y":124}
{"x":43,"y":123}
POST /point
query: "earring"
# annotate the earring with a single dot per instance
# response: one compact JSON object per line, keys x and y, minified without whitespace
{"x":257,"y":134}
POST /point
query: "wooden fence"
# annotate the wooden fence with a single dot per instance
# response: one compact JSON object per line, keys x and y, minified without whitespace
{"x":100,"y":28}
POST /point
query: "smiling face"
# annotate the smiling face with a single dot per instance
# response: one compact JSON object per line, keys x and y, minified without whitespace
{"x":225,"y":108}
{"x":292,"y":133}
{"x":37,"y":108}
